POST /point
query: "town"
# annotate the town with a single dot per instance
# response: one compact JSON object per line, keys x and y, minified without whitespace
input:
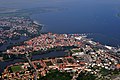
{"x":83,"y":56}
{"x":12,"y":28}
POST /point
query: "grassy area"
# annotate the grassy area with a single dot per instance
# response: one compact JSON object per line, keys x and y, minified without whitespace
{"x":16,"y":68}
{"x":49,"y":63}
{"x":104,"y":72}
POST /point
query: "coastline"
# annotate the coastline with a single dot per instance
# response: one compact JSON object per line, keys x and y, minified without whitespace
{"x":22,"y":38}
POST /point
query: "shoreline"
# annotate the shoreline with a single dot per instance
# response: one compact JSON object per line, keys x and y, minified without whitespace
{"x":22,"y":38}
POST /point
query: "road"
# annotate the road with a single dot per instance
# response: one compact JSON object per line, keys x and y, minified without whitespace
{"x":35,"y":73}
{"x":74,"y":77}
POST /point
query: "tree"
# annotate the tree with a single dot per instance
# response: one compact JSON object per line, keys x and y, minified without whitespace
{"x":56,"y":75}
{"x":86,"y":76}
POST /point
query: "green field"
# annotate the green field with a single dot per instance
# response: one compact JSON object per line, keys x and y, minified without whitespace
{"x":16,"y":68}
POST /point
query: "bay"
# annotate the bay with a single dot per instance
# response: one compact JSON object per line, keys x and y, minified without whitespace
{"x":77,"y":16}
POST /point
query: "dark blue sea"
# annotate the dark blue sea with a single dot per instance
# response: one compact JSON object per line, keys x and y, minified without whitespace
{"x":97,"y":17}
